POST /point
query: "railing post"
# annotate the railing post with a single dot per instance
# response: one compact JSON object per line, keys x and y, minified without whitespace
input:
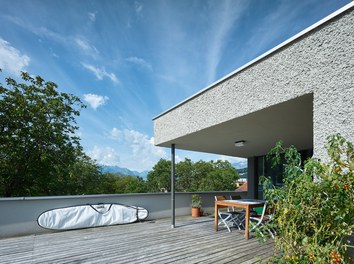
{"x":173,"y":203}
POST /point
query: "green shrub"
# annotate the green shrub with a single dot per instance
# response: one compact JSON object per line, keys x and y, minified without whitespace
{"x":315,"y":206}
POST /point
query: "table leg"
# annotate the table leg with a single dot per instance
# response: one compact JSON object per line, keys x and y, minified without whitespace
{"x":247,"y":221}
{"x":216,"y":217}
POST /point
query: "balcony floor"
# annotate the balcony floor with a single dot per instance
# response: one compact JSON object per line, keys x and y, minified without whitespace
{"x":192,"y":241}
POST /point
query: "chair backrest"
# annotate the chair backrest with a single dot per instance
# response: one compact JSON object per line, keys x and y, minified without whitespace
{"x":235,"y":197}
{"x":220,"y":197}
{"x":268,"y":210}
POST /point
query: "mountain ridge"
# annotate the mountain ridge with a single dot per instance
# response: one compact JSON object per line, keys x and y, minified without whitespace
{"x":123,"y":171}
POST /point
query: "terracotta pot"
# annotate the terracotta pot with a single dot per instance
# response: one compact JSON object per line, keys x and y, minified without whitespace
{"x":195,"y":212}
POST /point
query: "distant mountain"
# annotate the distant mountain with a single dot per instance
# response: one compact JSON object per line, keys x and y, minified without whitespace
{"x":239,"y":165}
{"x":123,"y":171}
{"x":242,"y":172}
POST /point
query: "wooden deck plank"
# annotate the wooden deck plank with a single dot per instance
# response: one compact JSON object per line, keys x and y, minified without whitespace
{"x":192,"y":241}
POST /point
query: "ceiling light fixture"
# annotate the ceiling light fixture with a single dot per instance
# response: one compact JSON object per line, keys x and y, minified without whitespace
{"x":240,"y":143}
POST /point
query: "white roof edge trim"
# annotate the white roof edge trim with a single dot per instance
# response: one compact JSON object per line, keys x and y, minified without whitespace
{"x":298,"y":35}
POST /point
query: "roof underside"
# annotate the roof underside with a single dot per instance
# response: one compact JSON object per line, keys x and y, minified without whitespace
{"x":291,"y":122}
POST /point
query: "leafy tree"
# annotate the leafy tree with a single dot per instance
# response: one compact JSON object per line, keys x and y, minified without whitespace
{"x":221,"y":177}
{"x":158,"y":179}
{"x":117,"y":183}
{"x":38,"y":145}
{"x":192,"y":177}
{"x":134,"y":184}
{"x":84,"y":178}
{"x":184,"y":175}
{"x":107,"y":184}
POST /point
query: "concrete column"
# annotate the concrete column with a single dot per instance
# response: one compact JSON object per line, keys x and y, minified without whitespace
{"x":252,"y":178}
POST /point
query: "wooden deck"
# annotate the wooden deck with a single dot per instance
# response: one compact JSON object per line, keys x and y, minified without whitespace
{"x":192,"y":241}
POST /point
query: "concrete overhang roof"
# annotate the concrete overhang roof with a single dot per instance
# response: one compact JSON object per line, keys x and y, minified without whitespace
{"x":290,"y":121}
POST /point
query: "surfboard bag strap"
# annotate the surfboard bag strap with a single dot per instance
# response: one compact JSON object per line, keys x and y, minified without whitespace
{"x":100,"y":206}
{"x":137,"y":214}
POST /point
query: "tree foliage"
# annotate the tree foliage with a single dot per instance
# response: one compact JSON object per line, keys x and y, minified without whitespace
{"x":221,"y":177}
{"x":314,"y":208}
{"x":38,"y":144}
{"x":84,"y":178}
{"x":193,"y":177}
{"x":116,"y":183}
{"x":39,"y":151}
{"x":158,"y":179}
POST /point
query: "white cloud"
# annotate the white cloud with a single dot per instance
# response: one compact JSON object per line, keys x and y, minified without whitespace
{"x":53,"y":53}
{"x":44,"y":32}
{"x":224,"y":20}
{"x":65,"y":40}
{"x":11,"y":59}
{"x":116,"y":133}
{"x":95,"y":100}
{"x":100,"y":73}
{"x":85,"y":46}
{"x":92,"y":16}
{"x":138,"y":7}
{"x":143,"y":154}
{"x":104,"y":156}
{"x":140,"y":62}
{"x":179,"y":158}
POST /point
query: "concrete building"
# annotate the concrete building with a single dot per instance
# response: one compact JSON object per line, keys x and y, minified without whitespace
{"x":300,"y":92}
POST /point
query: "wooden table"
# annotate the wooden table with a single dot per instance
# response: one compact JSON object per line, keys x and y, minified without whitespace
{"x":246,"y":204}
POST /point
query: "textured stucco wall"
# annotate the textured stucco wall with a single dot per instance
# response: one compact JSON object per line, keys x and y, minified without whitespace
{"x":320,"y":62}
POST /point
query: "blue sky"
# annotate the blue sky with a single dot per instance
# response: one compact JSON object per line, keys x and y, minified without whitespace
{"x":131,"y":60}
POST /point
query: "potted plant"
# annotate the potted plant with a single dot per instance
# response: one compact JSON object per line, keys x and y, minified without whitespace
{"x":196,"y":205}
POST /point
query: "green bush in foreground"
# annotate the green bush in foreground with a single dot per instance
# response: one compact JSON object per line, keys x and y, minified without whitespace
{"x":314,"y":209}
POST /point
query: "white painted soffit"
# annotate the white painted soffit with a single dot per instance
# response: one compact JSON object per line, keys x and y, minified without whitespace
{"x":291,"y":121}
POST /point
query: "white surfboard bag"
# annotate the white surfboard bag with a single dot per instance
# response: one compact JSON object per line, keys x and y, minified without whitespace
{"x":85,"y":216}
